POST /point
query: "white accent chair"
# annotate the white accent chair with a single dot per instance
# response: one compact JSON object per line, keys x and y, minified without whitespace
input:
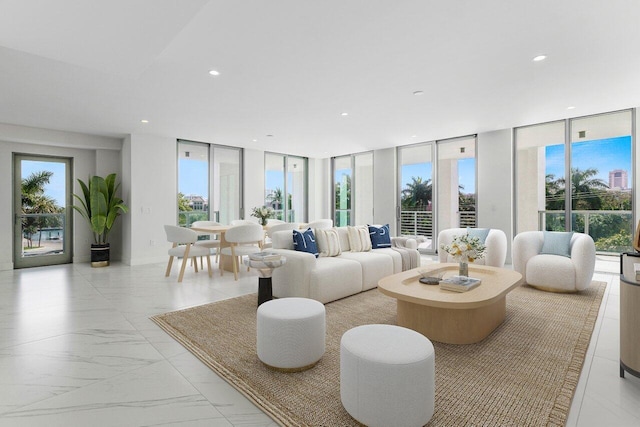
{"x":243,"y":240}
{"x":212,"y":243}
{"x":495,"y":254}
{"x":554,"y":273}
{"x":183,"y":241}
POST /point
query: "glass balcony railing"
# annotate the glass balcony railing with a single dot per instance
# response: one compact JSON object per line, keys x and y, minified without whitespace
{"x":612,"y":231}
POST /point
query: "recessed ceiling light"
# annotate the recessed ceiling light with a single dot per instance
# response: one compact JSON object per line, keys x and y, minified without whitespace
{"x":344,"y":114}
{"x":269,"y":136}
{"x":414,"y":136}
{"x":571,"y":108}
{"x":144,"y":121}
{"x":418,"y":92}
{"x":539,"y":58}
{"x":254,"y":140}
{"x":214,"y":72}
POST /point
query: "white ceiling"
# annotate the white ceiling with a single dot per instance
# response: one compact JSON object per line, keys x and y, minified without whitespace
{"x":289,"y":68}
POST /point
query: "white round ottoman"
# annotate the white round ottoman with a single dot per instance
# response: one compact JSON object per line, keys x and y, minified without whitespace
{"x":291,"y":333}
{"x":387,"y":376}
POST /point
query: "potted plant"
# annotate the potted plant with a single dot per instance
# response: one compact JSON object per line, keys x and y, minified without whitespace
{"x":100,"y":206}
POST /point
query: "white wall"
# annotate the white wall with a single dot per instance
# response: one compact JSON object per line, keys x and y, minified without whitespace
{"x":319,"y":192}
{"x":495,"y":177}
{"x":85,"y":150}
{"x":152,"y":190}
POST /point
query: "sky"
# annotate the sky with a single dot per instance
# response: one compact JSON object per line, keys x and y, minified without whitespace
{"x":56,"y":186}
{"x":604,"y":155}
{"x":466,"y":171}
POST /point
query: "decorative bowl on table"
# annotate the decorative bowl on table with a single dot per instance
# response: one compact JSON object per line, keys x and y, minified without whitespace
{"x":428,"y":277}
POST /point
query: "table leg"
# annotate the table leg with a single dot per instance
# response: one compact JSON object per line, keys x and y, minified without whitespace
{"x":265,"y":292}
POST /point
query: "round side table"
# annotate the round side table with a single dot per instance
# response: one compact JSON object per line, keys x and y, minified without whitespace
{"x":264,"y":262}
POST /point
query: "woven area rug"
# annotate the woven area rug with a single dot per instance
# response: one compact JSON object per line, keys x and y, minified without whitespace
{"x":523,"y":374}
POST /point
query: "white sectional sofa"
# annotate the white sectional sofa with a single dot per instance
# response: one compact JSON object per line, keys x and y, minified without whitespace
{"x":328,"y":278}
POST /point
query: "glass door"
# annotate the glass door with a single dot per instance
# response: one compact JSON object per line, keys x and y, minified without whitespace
{"x":42,"y":196}
{"x":456,"y":183}
{"x":342,"y":177}
{"x":415,"y":167}
{"x":226,"y":184}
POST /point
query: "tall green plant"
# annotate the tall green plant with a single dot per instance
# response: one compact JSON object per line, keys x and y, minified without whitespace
{"x":99,"y":205}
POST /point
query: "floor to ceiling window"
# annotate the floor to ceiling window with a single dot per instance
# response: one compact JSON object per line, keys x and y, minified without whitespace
{"x":415,"y":169}
{"x":453,"y":174}
{"x":286,"y":186}
{"x":209,"y":183}
{"x":595,"y":153}
{"x":456,"y":181}
{"x":353,"y":189}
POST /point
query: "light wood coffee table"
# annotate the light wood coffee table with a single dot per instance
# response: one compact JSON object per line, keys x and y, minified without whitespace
{"x":446,"y":316}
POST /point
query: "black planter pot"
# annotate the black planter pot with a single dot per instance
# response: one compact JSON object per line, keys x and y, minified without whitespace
{"x":99,"y":255}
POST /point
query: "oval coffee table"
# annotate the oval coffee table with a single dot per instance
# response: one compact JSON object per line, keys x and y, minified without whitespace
{"x":447,"y":316}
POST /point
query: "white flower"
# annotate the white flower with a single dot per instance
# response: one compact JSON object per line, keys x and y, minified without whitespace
{"x":465,"y":248}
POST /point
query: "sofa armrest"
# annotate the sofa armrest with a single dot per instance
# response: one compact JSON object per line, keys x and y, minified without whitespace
{"x":292,"y":279}
{"x":496,"y":244}
{"x":404,"y":242}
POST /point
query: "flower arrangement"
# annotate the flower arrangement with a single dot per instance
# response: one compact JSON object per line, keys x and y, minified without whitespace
{"x":263,"y":213}
{"x":465,"y":248}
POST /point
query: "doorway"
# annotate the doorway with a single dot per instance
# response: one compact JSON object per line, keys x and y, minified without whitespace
{"x":42,"y":198}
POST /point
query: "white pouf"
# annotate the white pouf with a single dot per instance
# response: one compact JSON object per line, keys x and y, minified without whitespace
{"x":291,"y":333}
{"x":387,"y":376}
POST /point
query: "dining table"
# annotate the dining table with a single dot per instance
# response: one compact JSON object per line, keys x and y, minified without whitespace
{"x":226,"y":261}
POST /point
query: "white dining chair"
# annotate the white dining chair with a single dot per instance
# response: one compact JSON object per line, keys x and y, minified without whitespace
{"x":212,"y":243}
{"x":183,"y":241}
{"x":243,"y":240}
{"x":278,"y":227}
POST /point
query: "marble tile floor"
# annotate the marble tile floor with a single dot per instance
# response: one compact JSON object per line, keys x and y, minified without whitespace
{"x":77,"y":348}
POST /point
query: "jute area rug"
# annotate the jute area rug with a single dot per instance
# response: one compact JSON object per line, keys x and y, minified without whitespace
{"x":523,"y":374}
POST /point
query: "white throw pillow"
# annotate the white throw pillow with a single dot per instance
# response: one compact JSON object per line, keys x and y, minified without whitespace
{"x":328,"y":241}
{"x":359,"y":239}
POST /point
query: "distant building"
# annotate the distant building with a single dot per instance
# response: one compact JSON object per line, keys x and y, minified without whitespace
{"x":197,"y":203}
{"x":618,"y":180}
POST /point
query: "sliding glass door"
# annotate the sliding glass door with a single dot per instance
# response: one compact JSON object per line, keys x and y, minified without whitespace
{"x":353,"y":189}
{"x":209,"y":183}
{"x":595,"y":153}
{"x":286,"y":192}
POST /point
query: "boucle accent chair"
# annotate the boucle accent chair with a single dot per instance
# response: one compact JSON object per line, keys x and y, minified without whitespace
{"x":496,"y":244}
{"x":551,"y":272}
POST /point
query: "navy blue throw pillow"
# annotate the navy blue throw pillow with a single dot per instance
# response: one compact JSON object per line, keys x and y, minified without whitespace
{"x":305,"y":241}
{"x":380,"y":237}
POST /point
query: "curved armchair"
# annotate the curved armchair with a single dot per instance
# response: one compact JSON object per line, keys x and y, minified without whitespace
{"x":551,"y":272}
{"x":496,"y":246}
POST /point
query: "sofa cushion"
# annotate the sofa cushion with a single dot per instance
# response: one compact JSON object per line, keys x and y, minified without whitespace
{"x":334,"y":278}
{"x":359,"y":239}
{"x":305,"y":241}
{"x":375,"y":266}
{"x":380,"y":236}
{"x":328,"y":242}
{"x":551,"y":271}
{"x":557,"y":243}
